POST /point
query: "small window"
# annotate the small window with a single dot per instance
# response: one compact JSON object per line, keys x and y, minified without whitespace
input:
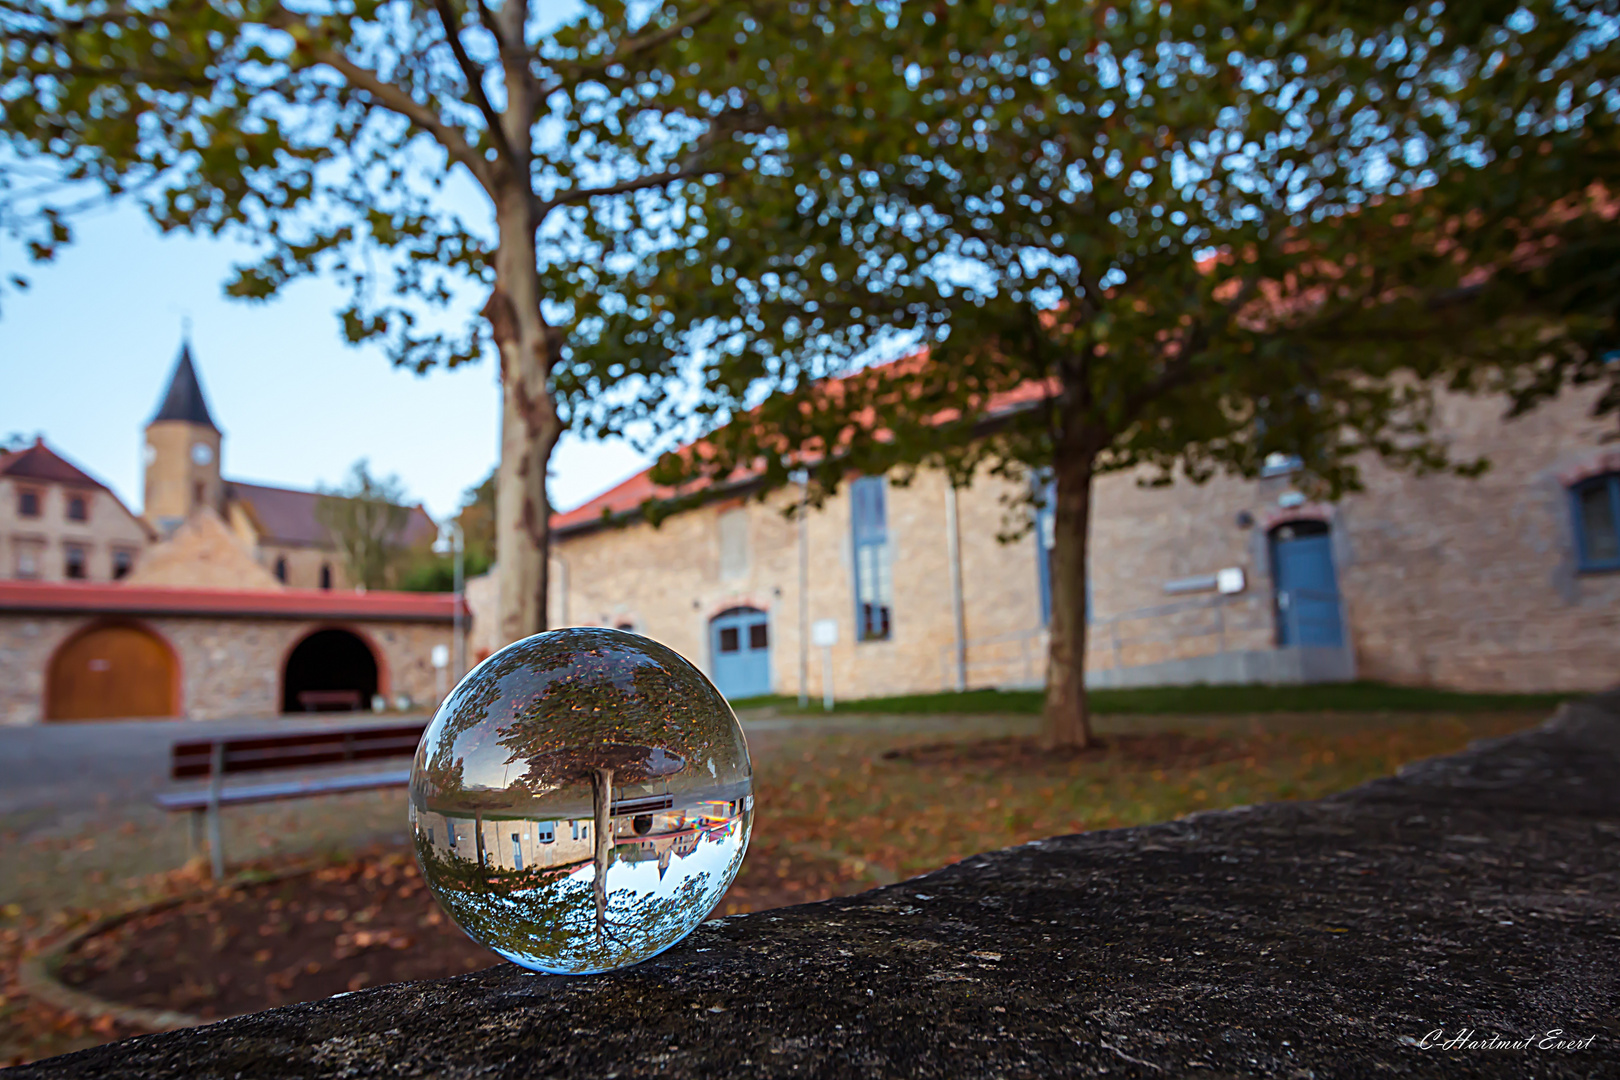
{"x":326,"y":576}
{"x":199,"y":493}
{"x":74,"y":562}
{"x":874,"y":587}
{"x":728,"y":639}
{"x":757,"y":638}
{"x":546,"y":832}
{"x":78,"y":508}
{"x":27,"y":560}
{"x":1597,"y":522}
{"x":28,"y":503}
{"x":281,"y":569}
{"x":628,"y":628}
{"x":123,"y":561}
{"x":733,"y":544}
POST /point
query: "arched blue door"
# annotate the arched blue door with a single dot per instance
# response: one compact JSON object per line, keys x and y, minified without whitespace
{"x":740,"y":643}
{"x":1307,"y":587}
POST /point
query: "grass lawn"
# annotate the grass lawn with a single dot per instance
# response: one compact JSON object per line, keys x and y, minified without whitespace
{"x":1191,"y":701}
{"x":896,"y":817}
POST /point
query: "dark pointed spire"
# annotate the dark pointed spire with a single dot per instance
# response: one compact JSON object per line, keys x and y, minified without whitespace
{"x":184,"y":399}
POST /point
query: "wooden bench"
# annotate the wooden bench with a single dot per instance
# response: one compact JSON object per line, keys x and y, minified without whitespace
{"x":215,"y":759}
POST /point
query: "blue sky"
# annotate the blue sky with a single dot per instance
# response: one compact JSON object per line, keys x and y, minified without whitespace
{"x":85,"y":354}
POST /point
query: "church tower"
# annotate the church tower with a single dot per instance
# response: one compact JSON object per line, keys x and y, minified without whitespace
{"x":182,"y":452}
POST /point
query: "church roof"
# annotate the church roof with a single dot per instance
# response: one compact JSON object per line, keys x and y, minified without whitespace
{"x":184,"y":398}
{"x":287,"y":516}
{"x":39,"y":462}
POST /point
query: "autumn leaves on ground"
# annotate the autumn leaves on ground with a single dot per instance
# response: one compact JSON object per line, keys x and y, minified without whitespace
{"x":840,"y":809}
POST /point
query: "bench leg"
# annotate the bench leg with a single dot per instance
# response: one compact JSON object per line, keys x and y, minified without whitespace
{"x":216,"y":783}
{"x":216,"y":844}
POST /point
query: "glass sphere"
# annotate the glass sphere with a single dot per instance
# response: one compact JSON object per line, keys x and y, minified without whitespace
{"x":581,"y":800}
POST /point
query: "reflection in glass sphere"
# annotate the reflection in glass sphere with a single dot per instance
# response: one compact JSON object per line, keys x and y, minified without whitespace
{"x":581,"y":800}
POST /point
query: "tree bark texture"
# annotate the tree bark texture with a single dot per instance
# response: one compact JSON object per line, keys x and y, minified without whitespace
{"x":1067,"y":714}
{"x":529,"y":423}
{"x":602,"y":822}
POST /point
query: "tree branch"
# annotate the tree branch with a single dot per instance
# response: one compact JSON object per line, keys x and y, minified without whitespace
{"x":581,"y":194}
{"x":648,"y":42}
{"x":629,"y":48}
{"x":397,"y":99}
{"x":475,"y":82}
{"x":691,"y":165}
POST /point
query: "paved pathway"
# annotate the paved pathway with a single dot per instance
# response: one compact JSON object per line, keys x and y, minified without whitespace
{"x":56,"y":766}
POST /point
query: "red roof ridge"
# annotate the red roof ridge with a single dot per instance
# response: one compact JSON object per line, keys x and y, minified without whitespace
{"x":40,"y":462}
{"x":630,"y":494}
{"x":110,"y":598}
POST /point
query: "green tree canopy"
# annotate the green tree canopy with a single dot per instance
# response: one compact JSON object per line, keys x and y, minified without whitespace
{"x":432,"y":155}
{"x":429,"y":571}
{"x":1170,"y":237}
{"x":366,"y":516}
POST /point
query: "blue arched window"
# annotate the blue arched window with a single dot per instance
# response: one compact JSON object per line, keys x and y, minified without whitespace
{"x":1596,"y":503}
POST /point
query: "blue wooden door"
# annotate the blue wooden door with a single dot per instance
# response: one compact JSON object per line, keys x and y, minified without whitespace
{"x":740,"y":643}
{"x":1307,"y":587}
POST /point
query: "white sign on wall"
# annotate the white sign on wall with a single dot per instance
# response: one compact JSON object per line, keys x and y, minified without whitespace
{"x":824,"y":632}
{"x":441,"y":656}
{"x":1229,"y":580}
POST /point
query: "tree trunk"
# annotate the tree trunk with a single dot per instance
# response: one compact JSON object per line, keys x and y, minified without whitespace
{"x":1068,"y":718}
{"x":529,"y":423}
{"x":602,"y":821}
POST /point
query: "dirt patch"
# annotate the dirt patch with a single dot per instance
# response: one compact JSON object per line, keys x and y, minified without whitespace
{"x":1156,"y":750}
{"x":341,"y":928}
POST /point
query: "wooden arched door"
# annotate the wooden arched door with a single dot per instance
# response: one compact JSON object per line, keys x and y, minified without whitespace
{"x":112,"y":672}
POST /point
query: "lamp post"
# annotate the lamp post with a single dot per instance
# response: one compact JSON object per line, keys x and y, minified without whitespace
{"x":451,"y":541}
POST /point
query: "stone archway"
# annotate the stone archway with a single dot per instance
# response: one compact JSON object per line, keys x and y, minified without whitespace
{"x":330,"y":670}
{"x":113,"y":671}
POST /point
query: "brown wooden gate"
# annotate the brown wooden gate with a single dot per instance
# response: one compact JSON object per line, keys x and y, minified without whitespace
{"x":112,"y":672}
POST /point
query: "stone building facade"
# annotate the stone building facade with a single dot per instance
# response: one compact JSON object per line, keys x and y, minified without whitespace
{"x":1510,"y":581}
{"x":201,"y":654}
{"x":59,"y":523}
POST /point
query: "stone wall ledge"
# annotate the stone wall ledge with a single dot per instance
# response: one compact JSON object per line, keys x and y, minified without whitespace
{"x":1477,"y":892}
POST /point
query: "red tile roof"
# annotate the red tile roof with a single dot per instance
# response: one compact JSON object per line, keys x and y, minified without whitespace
{"x":40,"y":462}
{"x":287,"y":516}
{"x":616,"y":500}
{"x":632,"y":493}
{"x":100,"y":598}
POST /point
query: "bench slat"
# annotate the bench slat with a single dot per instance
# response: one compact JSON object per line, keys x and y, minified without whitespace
{"x":193,"y":760}
{"x":285,"y":789}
